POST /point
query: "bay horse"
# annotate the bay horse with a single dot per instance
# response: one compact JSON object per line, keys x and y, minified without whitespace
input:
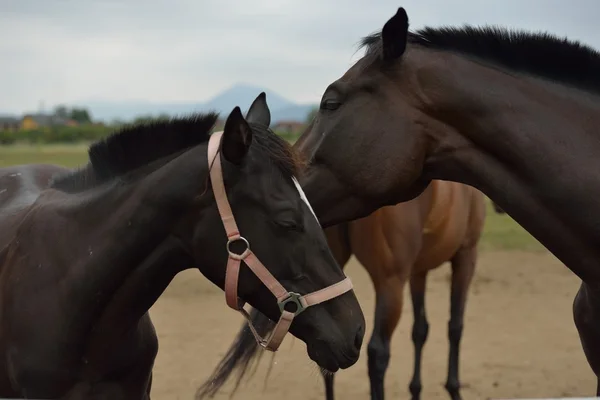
{"x":395,"y":244}
{"x":85,"y":253}
{"x":401,"y":243}
{"x":514,"y":114}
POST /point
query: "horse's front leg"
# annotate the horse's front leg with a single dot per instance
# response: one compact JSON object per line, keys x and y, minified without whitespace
{"x":586,"y":313}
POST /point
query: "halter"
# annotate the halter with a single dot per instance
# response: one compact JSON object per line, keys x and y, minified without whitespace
{"x":234,"y":260}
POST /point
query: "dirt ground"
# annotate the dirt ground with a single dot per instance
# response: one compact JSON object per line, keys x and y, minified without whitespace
{"x":519,"y":339}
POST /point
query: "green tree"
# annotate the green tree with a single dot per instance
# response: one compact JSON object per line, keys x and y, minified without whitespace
{"x":61,"y":111}
{"x":81,"y":115}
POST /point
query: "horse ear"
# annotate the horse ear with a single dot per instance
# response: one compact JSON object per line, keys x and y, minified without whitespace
{"x":259,"y":112}
{"x":237,"y":137}
{"x":395,"y":35}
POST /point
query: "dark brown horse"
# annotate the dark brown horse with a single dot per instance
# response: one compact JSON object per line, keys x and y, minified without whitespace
{"x":85,"y":254}
{"x":514,"y":114}
{"x":398,"y":244}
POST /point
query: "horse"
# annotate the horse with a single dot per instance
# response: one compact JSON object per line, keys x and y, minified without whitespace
{"x":85,"y":253}
{"x":395,"y":244}
{"x":515,"y":114}
{"x":401,"y":243}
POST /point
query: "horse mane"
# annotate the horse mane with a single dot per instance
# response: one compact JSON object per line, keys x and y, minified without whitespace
{"x":137,"y":145}
{"x":538,"y":53}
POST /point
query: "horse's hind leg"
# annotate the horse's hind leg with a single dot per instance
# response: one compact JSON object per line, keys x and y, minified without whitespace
{"x":419,"y":331}
{"x":463,"y":266}
{"x":388,"y":307}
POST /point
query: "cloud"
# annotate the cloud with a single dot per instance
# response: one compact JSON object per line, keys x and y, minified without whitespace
{"x":66,"y":51}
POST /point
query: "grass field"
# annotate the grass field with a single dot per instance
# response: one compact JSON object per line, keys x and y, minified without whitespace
{"x":69,"y":155}
{"x":501,"y":232}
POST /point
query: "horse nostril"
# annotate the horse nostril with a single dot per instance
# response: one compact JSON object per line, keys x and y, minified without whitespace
{"x":358,"y":339}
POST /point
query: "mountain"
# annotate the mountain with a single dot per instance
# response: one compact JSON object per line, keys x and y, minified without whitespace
{"x":240,"y":95}
{"x":243,"y":95}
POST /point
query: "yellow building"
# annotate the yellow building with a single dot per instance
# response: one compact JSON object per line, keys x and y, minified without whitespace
{"x":34,"y":121}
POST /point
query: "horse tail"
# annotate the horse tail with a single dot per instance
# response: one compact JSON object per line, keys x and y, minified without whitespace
{"x":240,"y":355}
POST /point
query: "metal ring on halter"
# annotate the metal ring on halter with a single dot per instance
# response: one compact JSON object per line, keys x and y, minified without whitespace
{"x":292,"y":298}
{"x":236,"y":256}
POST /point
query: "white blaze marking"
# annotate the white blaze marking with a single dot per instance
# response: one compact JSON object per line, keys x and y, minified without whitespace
{"x":303,"y":197}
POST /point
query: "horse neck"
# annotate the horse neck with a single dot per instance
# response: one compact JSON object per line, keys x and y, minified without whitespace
{"x":111,"y":231}
{"x":529,"y":145}
{"x":120,"y":318}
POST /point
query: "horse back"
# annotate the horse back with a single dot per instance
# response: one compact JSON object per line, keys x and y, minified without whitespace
{"x":20,"y":186}
{"x":424,"y":232}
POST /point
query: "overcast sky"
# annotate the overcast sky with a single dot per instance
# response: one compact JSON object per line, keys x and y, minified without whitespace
{"x":62,"y":51}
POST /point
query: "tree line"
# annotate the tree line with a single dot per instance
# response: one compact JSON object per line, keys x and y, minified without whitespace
{"x":79,"y":115}
{"x":86,"y":130}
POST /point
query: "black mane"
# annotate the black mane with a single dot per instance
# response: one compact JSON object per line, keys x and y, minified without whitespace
{"x":137,"y":145}
{"x":542,"y":54}
{"x":134,"y":146}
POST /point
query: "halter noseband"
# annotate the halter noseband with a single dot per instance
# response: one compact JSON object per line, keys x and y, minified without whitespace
{"x":234,"y":260}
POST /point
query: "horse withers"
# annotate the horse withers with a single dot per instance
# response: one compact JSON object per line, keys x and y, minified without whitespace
{"x":85,"y":253}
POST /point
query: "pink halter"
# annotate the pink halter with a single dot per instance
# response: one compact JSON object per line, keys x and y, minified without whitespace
{"x":233,"y":264}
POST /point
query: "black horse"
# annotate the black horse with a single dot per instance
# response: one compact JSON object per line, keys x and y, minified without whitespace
{"x":85,"y":254}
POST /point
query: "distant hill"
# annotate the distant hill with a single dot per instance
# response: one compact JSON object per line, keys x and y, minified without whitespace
{"x":240,"y":95}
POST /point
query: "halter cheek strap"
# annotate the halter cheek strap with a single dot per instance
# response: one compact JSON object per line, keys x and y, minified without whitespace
{"x":249,"y":258}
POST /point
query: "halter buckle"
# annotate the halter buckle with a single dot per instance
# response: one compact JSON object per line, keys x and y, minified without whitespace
{"x":237,"y":256}
{"x":295,"y":298}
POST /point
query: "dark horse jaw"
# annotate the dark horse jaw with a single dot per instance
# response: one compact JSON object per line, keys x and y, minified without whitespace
{"x":329,"y":362}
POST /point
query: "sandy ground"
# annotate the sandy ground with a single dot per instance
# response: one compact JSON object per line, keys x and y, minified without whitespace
{"x":519,"y":339}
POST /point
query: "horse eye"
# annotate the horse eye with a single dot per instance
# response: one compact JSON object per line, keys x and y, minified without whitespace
{"x":330,"y":104}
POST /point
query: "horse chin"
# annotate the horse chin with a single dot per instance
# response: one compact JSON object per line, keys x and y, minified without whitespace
{"x":326,"y":372}
{"x":328,"y":360}
{"x":325,"y":363}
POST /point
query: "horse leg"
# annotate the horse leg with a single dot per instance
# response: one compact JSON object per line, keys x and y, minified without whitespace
{"x":149,"y":389}
{"x":328,"y":378}
{"x":388,"y":308}
{"x":419,"y":331}
{"x":463,"y":266}
{"x":338,"y":240}
{"x":139,"y":375}
{"x":586,"y":314}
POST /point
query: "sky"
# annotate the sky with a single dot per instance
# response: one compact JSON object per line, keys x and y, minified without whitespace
{"x":73,"y":51}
